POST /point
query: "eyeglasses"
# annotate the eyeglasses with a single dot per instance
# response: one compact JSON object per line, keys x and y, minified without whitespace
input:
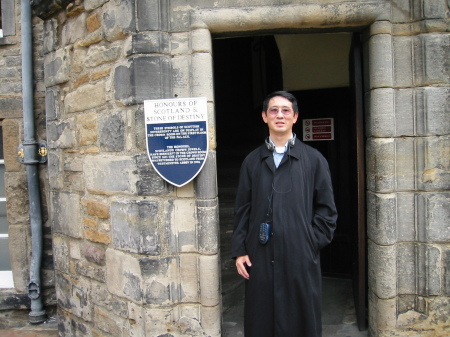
{"x":285,"y":111}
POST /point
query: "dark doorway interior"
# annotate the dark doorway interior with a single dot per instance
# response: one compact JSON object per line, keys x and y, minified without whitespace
{"x":245,"y":70}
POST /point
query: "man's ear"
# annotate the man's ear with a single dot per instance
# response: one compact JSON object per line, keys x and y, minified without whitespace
{"x":264,"y":116}
{"x":295,"y":117}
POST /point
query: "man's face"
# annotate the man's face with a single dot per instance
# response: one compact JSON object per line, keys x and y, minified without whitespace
{"x":280,"y":117}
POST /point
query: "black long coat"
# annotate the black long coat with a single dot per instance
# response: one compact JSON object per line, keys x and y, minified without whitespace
{"x":283,"y":294}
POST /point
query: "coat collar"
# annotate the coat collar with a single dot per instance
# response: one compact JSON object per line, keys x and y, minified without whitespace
{"x":294,"y":152}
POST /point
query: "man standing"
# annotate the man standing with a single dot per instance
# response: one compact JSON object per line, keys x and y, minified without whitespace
{"x":284,"y":216}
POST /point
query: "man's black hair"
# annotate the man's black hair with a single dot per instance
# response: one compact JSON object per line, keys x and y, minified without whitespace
{"x":291,"y":98}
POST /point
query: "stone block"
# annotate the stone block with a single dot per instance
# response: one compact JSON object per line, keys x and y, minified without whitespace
{"x":97,"y":208}
{"x":179,"y":44}
{"x":208,"y":229}
{"x":437,"y":9}
{"x":152,"y":16}
{"x":382,"y":218}
{"x":93,"y":22}
{"x":180,"y":16}
{"x":210,"y":280}
{"x":206,"y":181}
{"x":112,"y":133}
{"x":94,"y":253}
{"x":20,"y":254}
{"x":211,"y":318}
{"x":52,"y":101}
{"x":145,"y":77}
{"x":381,"y":113}
{"x":437,"y":214}
{"x":134,"y":226}
{"x":382,"y":276}
{"x":140,"y":134}
{"x":11,"y":107}
{"x":380,"y":158}
{"x":72,"y":163}
{"x":86,"y":97}
{"x":405,"y":170}
{"x":90,"y":5}
{"x":149,"y":182}
{"x":202,"y":75}
{"x":402,"y":49}
{"x":406,"y":217}
{"x":136,"y":316}
{"x":201,"y":41}
{"x":189,"y":278}
{"x":61,"y":254}
{"x":182,"y":225}
{"x":86,"y":125}
{"x":110,"y":175}
{"x":93,"y":272}
{"x":57,"y":67}
{"x":66,"y":220}
{"x":61,"y":134}
{"x":100,"y":296}
{"x":11,"y":139}
{"x":75,"y":250}
{"x":154,"y":42}
{"x":73,"y":29}
{"x":97,"y":236}
{"x":433,"y":165}
{"x":123,"y":275}
{"x":17,"y":203}
{"x":74,"y":296}
{"x":98,"y":55}
{"x":407,"y":273}
{"x":181,"y":76}
{"x":110,"y":323}
{"x":446,"y":258}
{"x":119,"y":19}
{"x":383,"y":316}
{"x":433,"y":111}
{"x":432,"y":54}
{"x":161,"y":283}
{"x":381,"y":64}
{"x":158,"y":321}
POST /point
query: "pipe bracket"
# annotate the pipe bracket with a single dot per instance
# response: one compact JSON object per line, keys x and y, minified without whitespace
{"x":33,"y":153}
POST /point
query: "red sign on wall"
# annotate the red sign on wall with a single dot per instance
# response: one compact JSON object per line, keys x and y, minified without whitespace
{"x":318,"y":129}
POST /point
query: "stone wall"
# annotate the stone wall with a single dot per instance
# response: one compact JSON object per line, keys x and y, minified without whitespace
{"x":136,"y":256}
{"x":17,"y":203}
{"x":131,"y":256}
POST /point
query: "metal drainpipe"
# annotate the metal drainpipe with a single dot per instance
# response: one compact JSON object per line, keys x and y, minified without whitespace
{"x":29,"y":155}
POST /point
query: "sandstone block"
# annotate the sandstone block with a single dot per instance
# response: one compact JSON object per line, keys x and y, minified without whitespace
{"x":86,"y":97}
{"x":10,"y":107}
{"x":93,"y":272}
{"x":119,"y":19}
{"x":381,"y":218}
{"x":94,"y":254}
{"x":181,"y":76}
{"x":149,"y":182}
{"x":149,"y":43}
{"x":208,"y":230}
{"x":202,"y":75}
{"x":152,"y":16}
{"x":112,"y":133}
{"x":97,"y":236}
{"x":20,"y":254}
{"x":98,"y":55}
{"x":97,"y":208}
{"x":110,"y":175}
{"x":206,"y":181}
{"x":134,"y":226}
{"x":189,"y":278}
{"x":145,"y":77}
{"x":74,"y":29}
{"x":182,"y":225}
{"x":57,"y":67}
{"x":11,"y":140}
{"x":381,"y":114}
{"x":61,"y":254}
{"x":52,"y":102}
{"x":382,"y":276}
{"x":381,"y":63}
{"x":93,"y":22}
{"x":66,"y":220}
{"x":89,"y":5}
{"x":380,"y":154}
{"x":74,"y":297}
{"x":124,"y":276}
{"x":17,"y":203}
{"x":61,"y":134}
{"x":210,"y":280}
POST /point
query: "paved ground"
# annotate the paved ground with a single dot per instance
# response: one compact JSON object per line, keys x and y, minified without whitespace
{"x":338,"y":315}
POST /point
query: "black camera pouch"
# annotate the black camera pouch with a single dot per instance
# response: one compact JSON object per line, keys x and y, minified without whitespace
{"x":264,"y":233}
